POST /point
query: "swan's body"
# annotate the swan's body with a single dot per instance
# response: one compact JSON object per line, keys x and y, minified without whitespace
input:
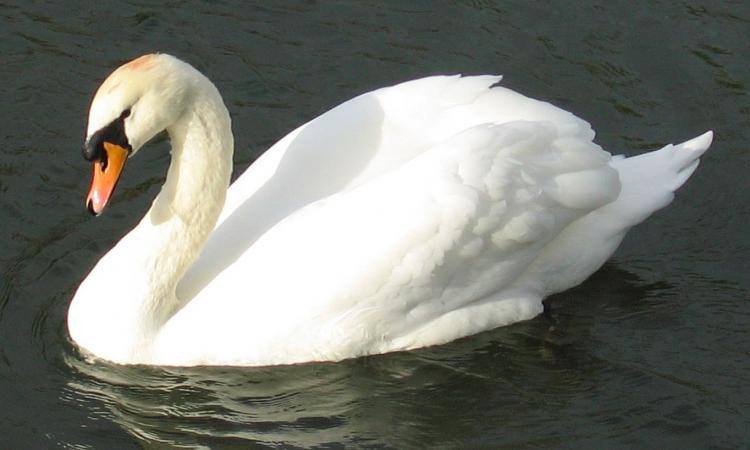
{"x":409,"y":216}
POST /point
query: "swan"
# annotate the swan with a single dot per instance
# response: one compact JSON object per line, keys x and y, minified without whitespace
{"x":406,"y":217}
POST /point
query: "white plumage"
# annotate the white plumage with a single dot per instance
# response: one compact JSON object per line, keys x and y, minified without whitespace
{"x":409,"y":216}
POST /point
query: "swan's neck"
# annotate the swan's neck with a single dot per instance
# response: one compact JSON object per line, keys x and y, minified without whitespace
{"x":185,"y":211}
{"x":130,"y":294}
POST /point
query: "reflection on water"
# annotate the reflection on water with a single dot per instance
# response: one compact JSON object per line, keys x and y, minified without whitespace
{"x":527,"y":385}
{"x":393,"y":400}
{"x":396,"y":400}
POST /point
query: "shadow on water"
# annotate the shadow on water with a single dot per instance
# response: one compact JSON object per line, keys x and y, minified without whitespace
{"x":408,"y":399}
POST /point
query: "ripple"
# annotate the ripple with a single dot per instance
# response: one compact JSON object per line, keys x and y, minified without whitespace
{"x":651,"y":351}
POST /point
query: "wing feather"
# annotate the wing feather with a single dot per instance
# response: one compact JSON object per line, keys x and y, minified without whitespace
{"x":463,"y":189}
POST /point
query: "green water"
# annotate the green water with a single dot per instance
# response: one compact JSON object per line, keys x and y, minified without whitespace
{"x":652,"y":351}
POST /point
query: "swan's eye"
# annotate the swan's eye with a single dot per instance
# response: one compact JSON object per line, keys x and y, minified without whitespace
{"x":103,"y":160}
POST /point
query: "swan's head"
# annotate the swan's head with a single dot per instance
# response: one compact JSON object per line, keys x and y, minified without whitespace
{"x":137,"y":101}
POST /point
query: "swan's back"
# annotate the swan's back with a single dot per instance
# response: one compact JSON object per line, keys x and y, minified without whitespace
{"x":402,"y":218}
{"x":380,"y":130}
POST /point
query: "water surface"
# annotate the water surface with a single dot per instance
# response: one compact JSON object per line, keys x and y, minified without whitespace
{"x":652,"y":351}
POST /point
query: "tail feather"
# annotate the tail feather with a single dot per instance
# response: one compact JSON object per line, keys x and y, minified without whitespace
{"x":649,"y":180}
{"x":686,"y":157}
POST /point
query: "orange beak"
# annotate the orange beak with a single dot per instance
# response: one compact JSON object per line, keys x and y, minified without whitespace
{"x":107,"y":170}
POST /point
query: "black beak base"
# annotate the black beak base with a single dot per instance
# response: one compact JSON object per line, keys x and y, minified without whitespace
{"x":93,"y":148}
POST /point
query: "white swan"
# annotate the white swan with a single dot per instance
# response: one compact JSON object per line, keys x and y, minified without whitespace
{"x":409,"y":216}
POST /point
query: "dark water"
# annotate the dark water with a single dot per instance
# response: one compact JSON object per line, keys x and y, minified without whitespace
{"x":652,"y":351}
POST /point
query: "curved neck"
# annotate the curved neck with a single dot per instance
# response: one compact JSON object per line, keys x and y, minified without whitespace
{"x":130,"y":294}
{"x":184,"y":213}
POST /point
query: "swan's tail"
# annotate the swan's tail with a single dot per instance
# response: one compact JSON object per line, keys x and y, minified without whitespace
{"x":649,"y":180}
